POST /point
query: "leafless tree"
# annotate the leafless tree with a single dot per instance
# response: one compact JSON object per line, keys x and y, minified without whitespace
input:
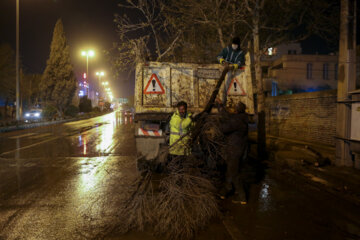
{"x":143,"y":29}
{"x":207,"y":25}
{"x":220,"y":15}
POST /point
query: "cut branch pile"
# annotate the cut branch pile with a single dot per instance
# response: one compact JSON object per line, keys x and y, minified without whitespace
{"x":181,"y":200}
{"x":185,"y":202}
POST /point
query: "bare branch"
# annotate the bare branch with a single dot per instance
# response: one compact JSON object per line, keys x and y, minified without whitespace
{"x":171,"y":47}
{"x":250,"y":10}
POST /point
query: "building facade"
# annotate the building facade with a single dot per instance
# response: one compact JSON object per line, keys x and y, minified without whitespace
{"x":287,"y":71}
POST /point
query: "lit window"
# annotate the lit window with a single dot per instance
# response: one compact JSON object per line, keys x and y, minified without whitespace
{"x":274,"y":89}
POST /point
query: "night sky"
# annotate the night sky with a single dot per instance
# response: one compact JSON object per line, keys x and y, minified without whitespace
{"x":87,"y":24}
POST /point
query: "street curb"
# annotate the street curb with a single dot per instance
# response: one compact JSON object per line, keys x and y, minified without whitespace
{"x":40,"y":124}
{"x":32,"y":125}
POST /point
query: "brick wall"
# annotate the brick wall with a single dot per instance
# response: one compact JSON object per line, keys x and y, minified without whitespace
{"x":309,"y":117}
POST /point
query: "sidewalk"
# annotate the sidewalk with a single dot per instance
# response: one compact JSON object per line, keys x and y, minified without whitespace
{"x":313,"y":162}
{"x":296,"y":198}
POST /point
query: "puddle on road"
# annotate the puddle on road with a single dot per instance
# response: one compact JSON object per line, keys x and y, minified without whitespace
{"x":88,"y":174}
{"x":103,"y":141}
{"x":265,"y":197}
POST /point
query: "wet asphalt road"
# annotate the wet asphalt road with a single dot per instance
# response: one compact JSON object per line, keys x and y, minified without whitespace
{"x":55,"y":181}
{"x":61,"y":182}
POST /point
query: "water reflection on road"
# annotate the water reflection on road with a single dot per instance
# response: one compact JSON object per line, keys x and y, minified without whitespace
{"x":105,"y":141}
{"x":264,"y":197}
{"x":102,"y":139}
{"x":55,"y":180}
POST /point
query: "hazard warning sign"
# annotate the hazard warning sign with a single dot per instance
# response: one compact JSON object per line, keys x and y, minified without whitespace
{"x":236,"y":88}
{"x":154,"y":86}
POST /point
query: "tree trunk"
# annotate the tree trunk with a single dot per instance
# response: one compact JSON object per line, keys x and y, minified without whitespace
{"x":221,"y":37}
{"x":261,"y":132}
{"x":5,"y":108}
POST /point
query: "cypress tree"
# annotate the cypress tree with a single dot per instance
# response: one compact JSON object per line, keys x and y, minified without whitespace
{"x":58,"y":84}
{"x":7,"y":76}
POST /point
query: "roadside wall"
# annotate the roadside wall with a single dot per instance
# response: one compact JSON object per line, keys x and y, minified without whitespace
{"x":309,"y":117}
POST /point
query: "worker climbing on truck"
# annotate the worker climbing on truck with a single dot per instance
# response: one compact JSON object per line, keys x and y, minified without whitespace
{"x":234,"y":56}
{"x":180,"y":125}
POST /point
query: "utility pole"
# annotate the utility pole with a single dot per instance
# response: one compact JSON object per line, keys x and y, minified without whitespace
{"x":346,"y":81}
{"x":17,"y":63}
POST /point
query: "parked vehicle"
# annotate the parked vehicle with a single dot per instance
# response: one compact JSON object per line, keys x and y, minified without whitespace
{"x":127,"y":111}
{"x":160,"y":86}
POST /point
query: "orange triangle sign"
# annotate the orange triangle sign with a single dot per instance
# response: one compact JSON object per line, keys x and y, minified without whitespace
{"x":236,"y":88}
{"x":154,"y":86}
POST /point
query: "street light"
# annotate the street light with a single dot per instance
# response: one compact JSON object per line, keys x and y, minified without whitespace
{"x":17,"y":63}
{"x":87,"y":54}
{"x":100,"y":74}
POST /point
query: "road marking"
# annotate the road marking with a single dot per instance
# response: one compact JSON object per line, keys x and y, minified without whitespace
{"x":23,"y":135}
{"x":29,"y":146}
{"x":40,"y":136}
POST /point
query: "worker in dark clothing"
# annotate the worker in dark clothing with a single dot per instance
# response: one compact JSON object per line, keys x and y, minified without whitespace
{"x":235,"y":128}
{"x":233,"y":55}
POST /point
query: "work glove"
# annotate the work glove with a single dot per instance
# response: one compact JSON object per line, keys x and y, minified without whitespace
{"x":236,"y":66}
{"x":221,"y":61}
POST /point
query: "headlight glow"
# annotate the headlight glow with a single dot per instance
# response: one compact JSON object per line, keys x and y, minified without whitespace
{"x":27,"y":114}
{"x":36,"y":114}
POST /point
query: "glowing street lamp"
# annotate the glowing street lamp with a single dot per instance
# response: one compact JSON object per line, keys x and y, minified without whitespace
{"x":100,"y":74}
{"x":18,"y":112}
{"x":87,"y":54}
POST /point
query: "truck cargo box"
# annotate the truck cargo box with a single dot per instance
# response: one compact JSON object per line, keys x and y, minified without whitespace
{"x":159,"y":86}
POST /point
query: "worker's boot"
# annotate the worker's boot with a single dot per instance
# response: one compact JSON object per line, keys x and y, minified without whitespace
{"x":240,"y":196}
{"x":225,"y":191}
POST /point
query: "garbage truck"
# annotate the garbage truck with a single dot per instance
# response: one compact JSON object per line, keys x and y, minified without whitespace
{"x":159,"y":86}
